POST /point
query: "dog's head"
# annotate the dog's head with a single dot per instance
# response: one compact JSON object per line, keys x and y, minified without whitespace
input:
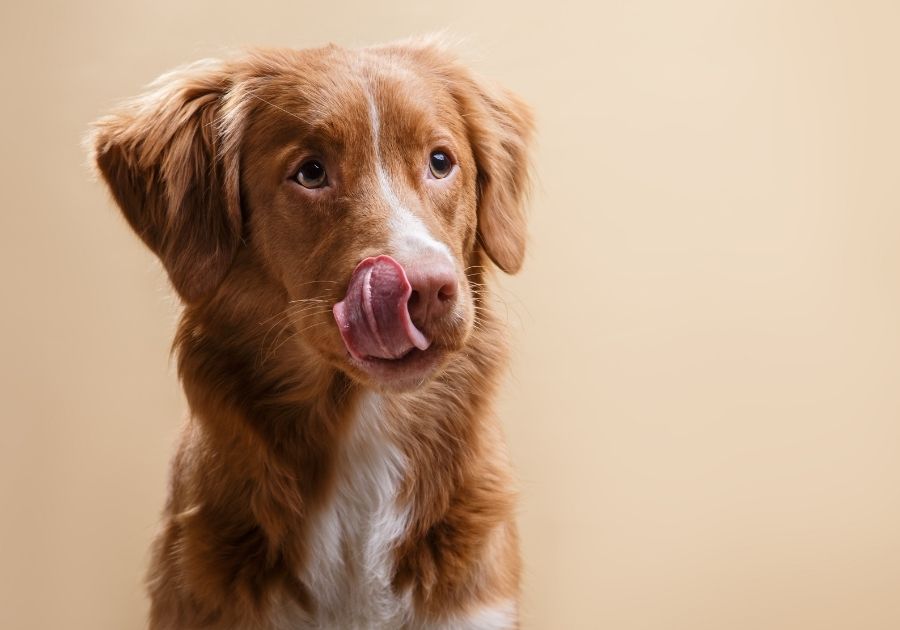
{"x":366,"y":184}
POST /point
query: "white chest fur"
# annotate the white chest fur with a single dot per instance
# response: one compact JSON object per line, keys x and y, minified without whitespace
{"x":351,"y":559}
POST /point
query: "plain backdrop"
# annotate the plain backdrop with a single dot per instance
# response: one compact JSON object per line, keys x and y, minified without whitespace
{"x":704,"y":403}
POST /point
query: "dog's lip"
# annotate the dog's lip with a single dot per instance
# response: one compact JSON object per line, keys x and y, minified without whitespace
{"x":414,"y":364}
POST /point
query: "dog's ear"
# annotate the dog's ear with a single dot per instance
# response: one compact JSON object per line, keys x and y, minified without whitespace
{"x":500,"y":128}
{"x":174,"y":176}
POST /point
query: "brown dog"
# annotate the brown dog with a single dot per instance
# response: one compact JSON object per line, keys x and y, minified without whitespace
{"x":326,"y":216}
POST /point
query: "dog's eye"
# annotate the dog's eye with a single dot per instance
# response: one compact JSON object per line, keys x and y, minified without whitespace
{"x":440,"y":164}
{"x":311,"y":174}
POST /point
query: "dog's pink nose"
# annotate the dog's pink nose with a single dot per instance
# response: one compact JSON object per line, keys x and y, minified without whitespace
{"x":434,"y":289}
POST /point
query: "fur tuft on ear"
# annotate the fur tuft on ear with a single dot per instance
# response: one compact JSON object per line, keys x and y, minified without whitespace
{"x":174,"y":176}
{"x":500,"y":127}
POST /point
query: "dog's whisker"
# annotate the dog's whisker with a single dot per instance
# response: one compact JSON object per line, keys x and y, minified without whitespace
{"x":288,"y":308}
{"x":278,"y":317}
{"x":256,"y":96}
{"x":308,"y":282}
{"x":309,"y":300}
{"x":288,"y":318}
{"x":291,"y":336}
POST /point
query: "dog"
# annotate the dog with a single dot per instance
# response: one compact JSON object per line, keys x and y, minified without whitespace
{"x":330,"y":219}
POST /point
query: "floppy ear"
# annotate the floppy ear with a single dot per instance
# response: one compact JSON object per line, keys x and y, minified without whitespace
{"x":500,"y":128}
{"x":174,"y":177}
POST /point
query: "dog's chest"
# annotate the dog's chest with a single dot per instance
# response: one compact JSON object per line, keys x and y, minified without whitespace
{"x":351,"y":560}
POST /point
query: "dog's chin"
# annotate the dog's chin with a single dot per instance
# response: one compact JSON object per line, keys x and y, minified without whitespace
{"x":406,"y":373}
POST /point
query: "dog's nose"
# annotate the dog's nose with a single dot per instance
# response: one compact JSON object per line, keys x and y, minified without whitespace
{"x":434,"y":289}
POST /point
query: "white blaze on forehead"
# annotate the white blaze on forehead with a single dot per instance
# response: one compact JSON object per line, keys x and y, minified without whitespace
{"x":409,"y":235}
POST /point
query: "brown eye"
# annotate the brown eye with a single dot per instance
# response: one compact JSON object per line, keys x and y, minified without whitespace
{"x":440,"y":164}
{"x":311,"y":174}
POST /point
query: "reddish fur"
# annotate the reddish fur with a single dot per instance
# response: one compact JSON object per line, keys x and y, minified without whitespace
{"x":197,"y":166}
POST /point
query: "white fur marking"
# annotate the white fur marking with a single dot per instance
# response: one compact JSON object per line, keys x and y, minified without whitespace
{"x":408,"y":234}
{"x":351,"y":562}
{"x":501,"y":616}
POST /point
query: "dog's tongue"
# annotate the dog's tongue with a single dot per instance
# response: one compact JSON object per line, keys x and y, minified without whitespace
{"x":373,"y":317}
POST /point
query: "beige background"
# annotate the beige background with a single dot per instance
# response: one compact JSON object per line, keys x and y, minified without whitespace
{"x":705,"y":402}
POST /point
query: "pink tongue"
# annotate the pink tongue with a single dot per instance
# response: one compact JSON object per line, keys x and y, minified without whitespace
{"x":373,"y":317}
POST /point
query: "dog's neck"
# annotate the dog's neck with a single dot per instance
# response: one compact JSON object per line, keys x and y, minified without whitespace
{"x":274,"y":429}
{"x":278,"y":413}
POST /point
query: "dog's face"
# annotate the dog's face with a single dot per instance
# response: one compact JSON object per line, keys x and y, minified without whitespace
{"x":365,"y":184}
